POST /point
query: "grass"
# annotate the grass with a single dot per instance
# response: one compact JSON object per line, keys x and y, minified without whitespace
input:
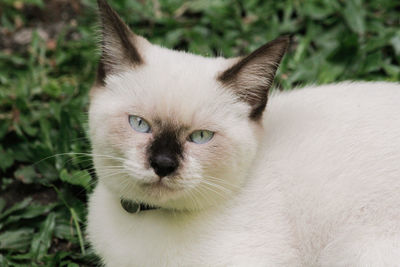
{"x":44,"y":83}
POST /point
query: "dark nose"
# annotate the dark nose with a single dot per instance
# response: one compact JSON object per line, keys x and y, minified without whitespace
{"x":163,"y":164}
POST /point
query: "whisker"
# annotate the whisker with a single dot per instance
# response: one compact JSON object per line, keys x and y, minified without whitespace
{"x":229,"y":184}
{"x":79,"y":153}
{"x":209,"y":187}
{"x":217,"y":186}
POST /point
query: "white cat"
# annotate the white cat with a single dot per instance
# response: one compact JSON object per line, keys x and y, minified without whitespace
{"x":192,"y":172}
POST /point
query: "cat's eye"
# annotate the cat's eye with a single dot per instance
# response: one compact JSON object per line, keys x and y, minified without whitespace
{"x":139,"y":124}
{"x":201,"y":136}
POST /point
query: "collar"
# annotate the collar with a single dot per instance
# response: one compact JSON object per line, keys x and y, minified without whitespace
{"x":135,"y":207}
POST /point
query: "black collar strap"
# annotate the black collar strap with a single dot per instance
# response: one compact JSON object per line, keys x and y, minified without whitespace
{"x":135,"y":207}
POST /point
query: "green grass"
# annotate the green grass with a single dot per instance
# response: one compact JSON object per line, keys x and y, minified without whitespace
{"x":44,"y":88}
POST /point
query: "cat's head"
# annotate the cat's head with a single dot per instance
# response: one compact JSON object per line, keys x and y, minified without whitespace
{"x":173,"y":129}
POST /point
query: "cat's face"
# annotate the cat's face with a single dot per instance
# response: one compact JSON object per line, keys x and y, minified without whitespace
{"x":176,"y":95}
{"x":173,"y":129}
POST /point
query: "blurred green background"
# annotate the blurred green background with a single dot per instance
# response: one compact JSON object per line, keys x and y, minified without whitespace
{"x":48,"y":59}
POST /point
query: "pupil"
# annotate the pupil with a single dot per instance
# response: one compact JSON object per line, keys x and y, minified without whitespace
{"x":140,"y":122}
{"x":201,"y":134}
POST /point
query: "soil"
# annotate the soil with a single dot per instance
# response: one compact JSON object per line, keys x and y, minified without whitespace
{"x":17,"y":191}
{"x":48,"y":21}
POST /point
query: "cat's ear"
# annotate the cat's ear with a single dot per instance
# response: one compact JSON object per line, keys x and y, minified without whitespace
{"x":251,"y":77}
{"x":119,"y":45}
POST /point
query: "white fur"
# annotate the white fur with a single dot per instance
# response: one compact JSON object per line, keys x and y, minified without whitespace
{"x":317,"y":184}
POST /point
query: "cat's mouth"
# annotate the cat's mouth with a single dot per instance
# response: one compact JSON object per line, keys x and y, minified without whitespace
{"x":167,"y":184}
{"x":163,"y":188}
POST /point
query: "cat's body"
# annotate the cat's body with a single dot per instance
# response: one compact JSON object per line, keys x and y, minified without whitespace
{"x":314,"y":181}
{"x":324,"y":191}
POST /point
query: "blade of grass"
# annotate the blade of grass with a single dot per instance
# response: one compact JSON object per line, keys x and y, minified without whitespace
{"x":78,"y":230}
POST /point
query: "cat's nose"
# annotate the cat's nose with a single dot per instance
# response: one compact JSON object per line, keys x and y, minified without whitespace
{"x":163,"y":165}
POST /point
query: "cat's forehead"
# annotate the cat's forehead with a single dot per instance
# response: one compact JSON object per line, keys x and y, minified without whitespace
{"x":173,"y":84}
{"x":167,"y":71}
{"x":182,"y":68}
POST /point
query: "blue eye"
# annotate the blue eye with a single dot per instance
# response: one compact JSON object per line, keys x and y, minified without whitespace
{"x":201,"y":136}
{"x":139,"y":124}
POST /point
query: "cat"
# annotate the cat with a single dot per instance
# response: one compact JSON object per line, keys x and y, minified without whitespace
{"x":195,"y":168}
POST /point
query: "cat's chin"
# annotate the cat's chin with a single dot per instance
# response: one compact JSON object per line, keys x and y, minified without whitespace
{"x":158,"y":192}
{"x":167,"y":195}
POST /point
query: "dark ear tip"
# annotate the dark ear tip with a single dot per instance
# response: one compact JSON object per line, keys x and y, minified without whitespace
{"x":285,"y":37}
{"x":285,"y":40}
{"x":103,"y":5}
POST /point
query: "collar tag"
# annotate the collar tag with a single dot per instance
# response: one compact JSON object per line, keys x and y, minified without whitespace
{"x":130,"y":206}
{"x":135,"y":207}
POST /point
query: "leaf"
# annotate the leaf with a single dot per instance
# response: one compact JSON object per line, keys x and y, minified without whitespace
{"x":354,"y":16}
{"x":27,"y":125}
{"x":6,"y":159}
{"x":58,"y":258}
{"x":395,"y":42}
{"x":373,"y":62}
{"x":22,"y":152}
{"x":32,"y":211}
{"x":76,"y":220}
{"x":393,"y":71}
{"x":330,"y":73}
{"x":26,"y":175}
{"x":42,"y":240}
{"x":16,"y":240}
{"x":65,"y":230}
{"x":3,"y":261}
{"x":45,"y":129}
{"x":16,"y":207}
{"x":80,"y":178}
{"x":4,"y":125}
{"x":317,"y":9}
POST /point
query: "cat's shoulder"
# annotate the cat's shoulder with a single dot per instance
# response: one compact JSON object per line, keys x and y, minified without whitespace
{"x":342,"y":94}
{"x":334,"y":110}
{"x":341,"y":89}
